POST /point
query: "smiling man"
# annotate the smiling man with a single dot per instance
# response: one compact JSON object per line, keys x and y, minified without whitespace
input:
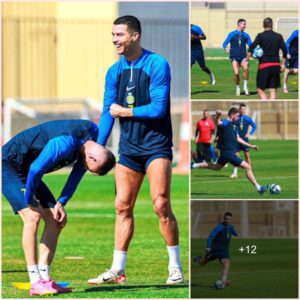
{"x":25,"y":159}
{"x":137,"y":91}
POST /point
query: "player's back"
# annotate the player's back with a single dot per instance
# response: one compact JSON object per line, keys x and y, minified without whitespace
{"x":26,"y":146}
{"x":271,"y":42}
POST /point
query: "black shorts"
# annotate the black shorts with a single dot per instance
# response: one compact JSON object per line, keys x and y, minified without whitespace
{"x":268,"y":78}
{"x":14,"y":187}
{"x":198,"y":56}
{"x":292,"y":63}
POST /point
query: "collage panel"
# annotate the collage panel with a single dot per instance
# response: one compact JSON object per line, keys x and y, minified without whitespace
{"x":99,"y":86}
{"x":244,"y":49}
{"x":265,"y":166}
{"x":244,"y":249}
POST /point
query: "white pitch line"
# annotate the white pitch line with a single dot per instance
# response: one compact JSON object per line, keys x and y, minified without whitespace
{"x":245,"y":179}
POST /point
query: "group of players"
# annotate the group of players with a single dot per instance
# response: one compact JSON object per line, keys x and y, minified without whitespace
{"x":269,"y":68}
{"x":232,"y":137}
{"x":137,"y":92}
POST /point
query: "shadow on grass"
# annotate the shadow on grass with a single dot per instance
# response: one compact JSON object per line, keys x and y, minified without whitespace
{"x":132,"y":287}
{"x":212,"y":175}
{"x":14,"y":271}
{"x":205,"y":91}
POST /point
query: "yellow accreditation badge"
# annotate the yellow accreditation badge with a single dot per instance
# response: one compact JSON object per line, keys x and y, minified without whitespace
{"x":130,"y":100}
{"x":23,"y":190}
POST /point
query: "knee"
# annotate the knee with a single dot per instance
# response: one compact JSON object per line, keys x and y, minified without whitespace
{"x":123,"y":206}
{"x":162,"y":207}
{"x":247,"y":167}
{"x":32,"y":220}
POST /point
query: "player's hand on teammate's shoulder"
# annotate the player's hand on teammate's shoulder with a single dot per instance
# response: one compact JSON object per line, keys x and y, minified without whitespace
{"x":60,"y":215}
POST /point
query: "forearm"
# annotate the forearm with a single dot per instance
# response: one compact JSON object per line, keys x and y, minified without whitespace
{"x":105,"y":127}
{"x":241,"y":141}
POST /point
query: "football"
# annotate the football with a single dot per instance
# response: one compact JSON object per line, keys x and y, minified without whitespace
{"x":257,"y":52}
{"x":275,"y":189}
{"x":219,"y":285}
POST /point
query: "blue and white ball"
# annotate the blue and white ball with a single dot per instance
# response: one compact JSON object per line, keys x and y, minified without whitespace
{"x":275,"y":189}
{"x":219,"y":285}
{"x":258,"y":52}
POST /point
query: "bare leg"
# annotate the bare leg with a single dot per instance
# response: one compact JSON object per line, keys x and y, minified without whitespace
{"x":236,"y":72}
{"x":159,"y":174}
{"x":273,"y":94}
{"x":128,"y":183}
{"x":245,"y":67}
{"x":285,"y":76}
{"x":49,"y":238}
{"x":262,"y":94}
{"x":31,"y":220}
{"x":226,"y":265}
{"x":249,"y":172}
{"x":247,"y":157}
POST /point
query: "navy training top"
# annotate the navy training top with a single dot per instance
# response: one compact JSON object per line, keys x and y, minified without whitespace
{"x":219,"y":238}
{"x":144,"y":86}
{"x":48,"y":147}
{"x":238,"y":41}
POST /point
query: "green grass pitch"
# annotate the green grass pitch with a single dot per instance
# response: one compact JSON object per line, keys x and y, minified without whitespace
{"x":225,"y":86}
{"x":275,"y":162}
{"x":90,"y":234}
{"x":271,"y":273}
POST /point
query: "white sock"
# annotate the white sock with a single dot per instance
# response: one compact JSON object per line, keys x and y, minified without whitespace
{"x":119,"y":262}
{"x":237,"y":86}
{"x":246,"y":84}
{"x":44,"y":272}
{"x":257,"y":186}
{"x":235,"y":170}
{"x":174,"y":257}
{"x":284,"y":85}
{"x":34,"y":275}
{"x":196,"y":165}
{"x":224,"y":278}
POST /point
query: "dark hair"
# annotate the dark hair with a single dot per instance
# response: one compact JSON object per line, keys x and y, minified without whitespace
{"x":132,"y":22}
{"x":109,"y":163}
{"x":232,"y":111}
{"x":242,"y":105}
{"x":228,"y":213}
{"x":268,"y":23}
{"x":205,"y":110}
{"x":240,"y":21}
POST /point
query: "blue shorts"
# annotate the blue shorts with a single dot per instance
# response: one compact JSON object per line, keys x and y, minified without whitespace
{"x":14,"y":185}
{"x":238,"y":59}
{"x":212,"y":255}
{"x":141,"y":163}
{"x":198,"y":56}
{"x":229,"y":156}
{"x":292,"y":63}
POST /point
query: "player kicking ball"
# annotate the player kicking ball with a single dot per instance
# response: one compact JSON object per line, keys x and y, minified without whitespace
{"x":218,"y":243}
{"x":25,"y":159}
{"x":228,"y":143}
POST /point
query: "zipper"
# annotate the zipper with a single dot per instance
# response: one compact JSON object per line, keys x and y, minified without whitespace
{"x":131,"y":72}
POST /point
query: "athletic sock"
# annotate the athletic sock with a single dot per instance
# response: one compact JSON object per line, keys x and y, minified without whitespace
{"x":246,"y":84}
{"x":119,"y":262}
{"x":235,"y":170}
{"x":174,"y":257}
{"x":257,"y":186}
{"x":44,"y":271}
{"x":196,"y":165}
{"x":34,"y":275}
{"x":224,"y":278}
{"x":284,"y":85}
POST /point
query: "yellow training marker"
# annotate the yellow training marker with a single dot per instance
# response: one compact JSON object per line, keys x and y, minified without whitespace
{"x":204,"y":82}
